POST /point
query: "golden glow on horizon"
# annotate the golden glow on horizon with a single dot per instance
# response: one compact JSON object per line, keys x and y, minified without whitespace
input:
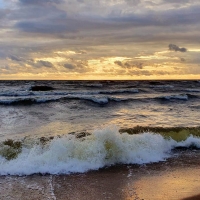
{"x":154,"y":66}
{"x":194,"y":50}
{"x":95,"y":77}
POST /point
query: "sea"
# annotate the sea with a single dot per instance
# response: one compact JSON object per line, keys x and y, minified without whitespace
{"x":64,"y":127}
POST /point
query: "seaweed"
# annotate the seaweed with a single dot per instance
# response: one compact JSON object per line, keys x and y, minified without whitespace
{"x":10,"y":149}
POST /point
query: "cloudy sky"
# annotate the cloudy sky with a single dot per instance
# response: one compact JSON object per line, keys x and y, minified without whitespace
{"x":99,"y":39}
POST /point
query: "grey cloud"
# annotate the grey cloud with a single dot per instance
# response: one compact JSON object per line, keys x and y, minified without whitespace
{"x":182,"y":2}
{"x":173,"y":47}
{"x":129,"y":64}
{"x":50,"y":19}
{"x":58,"y":22}
{"x":140,"y":73}
{"x":117,"y":62}
{"x":133,"y":2}
{"x":33,"y":2}
{"x":139,"y":65}
{"x":3,"y":13}
{"x":77,"y":66}
{"x":148,"y":72}
{"x":185,"y":15}
{"x":69,"y":66}
{"x":48,"y":26}
{"x":15,"y":58}
{"x":182,"y":59}
{"x":42,"y":63}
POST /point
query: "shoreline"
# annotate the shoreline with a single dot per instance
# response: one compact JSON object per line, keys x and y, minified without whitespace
{"x":176,"y":178}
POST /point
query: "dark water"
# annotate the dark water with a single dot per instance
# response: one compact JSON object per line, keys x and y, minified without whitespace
{"x":98,"y":107}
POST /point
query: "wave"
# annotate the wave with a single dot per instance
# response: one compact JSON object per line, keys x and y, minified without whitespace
{"x":192,"y":90}
{"x":45,"y":99}
{"x":177,"y":97}
{"x":69,"y":154}
{"x":95,"y":85}
{"x":27,"y":100}
{"x":60,"y":92}
{"x":161,"y":86}
{"x":195,"y":106}
{"x":119,"y":91}
{"x":16,"y":94}
{"x":92,"y":96}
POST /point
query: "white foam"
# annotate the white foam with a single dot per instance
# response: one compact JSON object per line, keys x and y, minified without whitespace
{"x":161,"y":86}
{"x":193,"y":90}
{"x":190,"y":141}
{"x":102,"y":148}
{"x":180,"y":97}
{"x":102,"y":100}
{"x":96,"y":99}
{"x":93,"y":85}
{"x":119,"y":91}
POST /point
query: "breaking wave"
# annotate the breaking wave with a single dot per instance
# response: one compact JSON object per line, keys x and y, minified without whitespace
{"x":193,"y":90}
{"x":71,"y":154}
{"x":92,"y":97}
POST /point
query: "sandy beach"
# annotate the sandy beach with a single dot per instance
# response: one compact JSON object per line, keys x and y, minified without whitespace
{"x":176,"y":178}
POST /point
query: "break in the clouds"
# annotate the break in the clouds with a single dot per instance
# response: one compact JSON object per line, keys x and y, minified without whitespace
{"x":83,"y":39}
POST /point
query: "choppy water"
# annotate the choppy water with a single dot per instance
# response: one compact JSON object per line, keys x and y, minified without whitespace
{"x":27,"y":115}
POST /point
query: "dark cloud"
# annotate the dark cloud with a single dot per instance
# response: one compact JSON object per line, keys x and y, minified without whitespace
{"x":61,"y":22}
{"x":46,"y":26}
{"x":35,"y":2}
{"x":182,"y":2}
{"x":69,"y":66}
{"x":173,"y":47}
{"x":15,"y":58}
{"x":129,"y":64}
{"x":186,"y":15}
{"x":77,"y":66}
{"x":140,"y":73}
{"x":42,"y":63}
{"x":117,"y":62}
{"x":3,"y":13}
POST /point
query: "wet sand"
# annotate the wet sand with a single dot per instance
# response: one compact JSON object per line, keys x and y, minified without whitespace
{"x":176,"y":178}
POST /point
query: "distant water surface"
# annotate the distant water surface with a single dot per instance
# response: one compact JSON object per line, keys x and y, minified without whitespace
{"x":73,"y":106}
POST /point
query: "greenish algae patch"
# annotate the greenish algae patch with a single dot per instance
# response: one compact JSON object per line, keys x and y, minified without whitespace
{"x":10,"y":149}
{"x":112,"y":149}
{"x":176,"y":133}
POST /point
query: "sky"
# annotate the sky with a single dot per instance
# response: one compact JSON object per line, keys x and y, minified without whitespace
{"x":99,"y":39}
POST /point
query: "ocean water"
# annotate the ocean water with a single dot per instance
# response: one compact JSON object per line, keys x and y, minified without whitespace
{"x":77,"y":126}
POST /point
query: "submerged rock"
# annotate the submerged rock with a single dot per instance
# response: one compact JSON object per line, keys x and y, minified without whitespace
{"x":45,"y":140}
{"x":80,"y":135}
{"x":14,"y":144}
{"x":41,"y":88}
